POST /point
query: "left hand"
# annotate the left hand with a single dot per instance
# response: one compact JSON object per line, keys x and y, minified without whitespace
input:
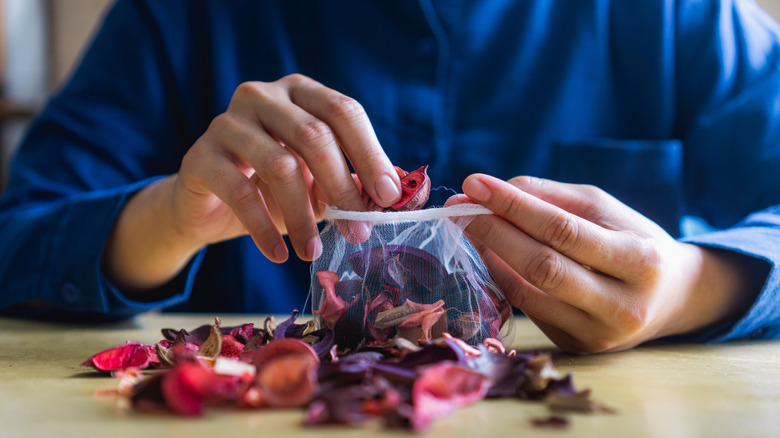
{"x":591,"y":272}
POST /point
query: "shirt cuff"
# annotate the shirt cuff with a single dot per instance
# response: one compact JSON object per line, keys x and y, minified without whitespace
{"x":80,"y":236}
{"x":762,"y":320}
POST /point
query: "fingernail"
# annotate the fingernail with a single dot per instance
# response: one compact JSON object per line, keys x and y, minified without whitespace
{"x":280,"y":252}
{"x":314,"y":248}
{"x":386,"y":189}
{"x":476,"y":190}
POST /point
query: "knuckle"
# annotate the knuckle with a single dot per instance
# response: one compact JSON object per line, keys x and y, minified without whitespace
{"x":341,"y":195}
{"x":562,"y":232}
{"x":512,"y":207}
{"x":648,"y":259}
{"x":313,"y":134}
{"x":546,"y":270}
{"x":632,"y":319}
{"x":346,"y":108}
{"x":250,"y":89}
{"x":516,"y":294}
{"x":223,"y":123}
{"x":525,"y":181}
{"x":245,"y":198}
{"x":295,"y":79}
{"x":593,"y":201}
{"x":282,"y":168}
{"x":592,"y":192}
{"x":485,"y":227}
{"x":195,"y":155}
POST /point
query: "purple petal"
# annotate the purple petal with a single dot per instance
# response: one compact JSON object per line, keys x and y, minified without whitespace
{"x":288,"y":328}
{"x":372,"y":265}
{"x":242,"y":333}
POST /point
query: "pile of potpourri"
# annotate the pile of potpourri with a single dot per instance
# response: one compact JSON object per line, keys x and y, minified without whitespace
{"x":400,"y":384}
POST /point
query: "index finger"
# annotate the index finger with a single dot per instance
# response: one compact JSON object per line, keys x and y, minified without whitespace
{"x":355,"y":135}
{"x":575,"y":237}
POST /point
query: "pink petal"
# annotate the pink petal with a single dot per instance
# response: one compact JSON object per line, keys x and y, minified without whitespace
{"x":443,"y":387}
{"x":332,"y":307}
{"x":427,"y":316}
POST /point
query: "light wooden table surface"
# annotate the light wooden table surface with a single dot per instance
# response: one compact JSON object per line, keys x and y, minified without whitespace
{"x":730,"y":390}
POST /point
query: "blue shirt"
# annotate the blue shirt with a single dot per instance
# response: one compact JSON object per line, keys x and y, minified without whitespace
{"x":672,"y":106}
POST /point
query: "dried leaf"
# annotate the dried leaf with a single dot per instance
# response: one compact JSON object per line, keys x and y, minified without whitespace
{"x":212,"y":346}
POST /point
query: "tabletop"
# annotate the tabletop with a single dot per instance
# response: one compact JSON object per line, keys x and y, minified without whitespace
{"x":676,"y":390}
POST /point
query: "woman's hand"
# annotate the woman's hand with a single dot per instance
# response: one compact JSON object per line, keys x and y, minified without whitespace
{"x":594,"y":274}
{"x":266,"y":167}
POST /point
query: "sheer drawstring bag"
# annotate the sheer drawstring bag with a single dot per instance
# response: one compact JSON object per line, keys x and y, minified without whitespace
{"x":415,"y":276}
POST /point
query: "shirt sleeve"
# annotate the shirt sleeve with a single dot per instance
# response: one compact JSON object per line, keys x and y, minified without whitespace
{"x":117,"y":126}
{"x":728,"y":78}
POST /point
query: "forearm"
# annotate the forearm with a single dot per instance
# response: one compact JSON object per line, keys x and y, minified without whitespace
{"x":145,"y":249}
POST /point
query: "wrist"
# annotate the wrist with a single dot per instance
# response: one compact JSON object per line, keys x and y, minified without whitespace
{"x":145,"y":248}
{"x":722,"y":288}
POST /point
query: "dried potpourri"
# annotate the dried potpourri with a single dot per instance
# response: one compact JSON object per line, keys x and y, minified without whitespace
{"x":408,"y":327}
{"x":401,"y":384}
{"x":414,"y":276}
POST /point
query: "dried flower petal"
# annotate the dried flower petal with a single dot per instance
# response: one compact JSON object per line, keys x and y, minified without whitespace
{"x":211,"y":348}
{"x":333,"y":307}
{"x":282,"y":347}
{"x":189,"y":385}
{"x":289,"y":380}
{"x":127,"y":355}
{"x":442,"y":388}
{"x":242,"y":333}
{"x":426,"y":317}
{"x":231,"y":347}
{"x":422,"y":266}
{"x":415,"y":189}
{"x":402,"y":383}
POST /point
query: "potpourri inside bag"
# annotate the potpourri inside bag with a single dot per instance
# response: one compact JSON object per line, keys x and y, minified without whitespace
{"x":415,"y":276}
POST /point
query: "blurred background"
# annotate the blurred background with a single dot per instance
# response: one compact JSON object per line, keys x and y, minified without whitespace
{"x":40,"y":40}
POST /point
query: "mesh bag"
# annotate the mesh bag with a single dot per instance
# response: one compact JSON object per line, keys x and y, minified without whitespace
{"x":415,"y":276}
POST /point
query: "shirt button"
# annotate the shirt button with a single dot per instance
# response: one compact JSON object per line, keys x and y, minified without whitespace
{"x":70,"y":293}
{"x":426,"y":47}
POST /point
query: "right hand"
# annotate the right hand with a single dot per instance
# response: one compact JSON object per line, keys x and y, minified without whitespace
{"x":266,"y":167}
{"x":269,"y":164}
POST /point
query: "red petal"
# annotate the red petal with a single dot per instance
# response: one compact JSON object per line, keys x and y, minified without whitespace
{"x":190,"y":385}
{"x":415,"y":189}
{"x":179,"y":389}
{"x":127,"y":355}
{"x":231,"y":347}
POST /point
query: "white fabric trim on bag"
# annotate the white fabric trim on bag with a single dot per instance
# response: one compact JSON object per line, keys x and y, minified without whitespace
{"x":389,"y":217}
